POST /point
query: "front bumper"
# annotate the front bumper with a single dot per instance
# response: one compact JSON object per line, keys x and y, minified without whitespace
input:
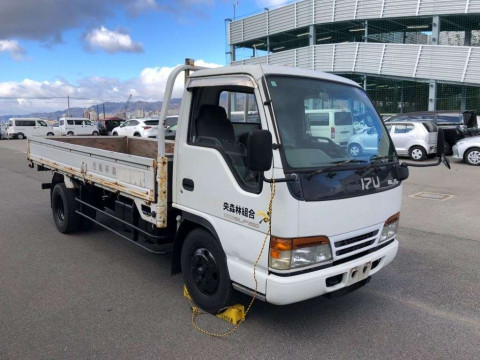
{"x":282,"y":290}
{"x":456,"y":154}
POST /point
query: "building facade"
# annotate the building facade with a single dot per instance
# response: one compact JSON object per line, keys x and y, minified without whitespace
{"x":410,"y":55}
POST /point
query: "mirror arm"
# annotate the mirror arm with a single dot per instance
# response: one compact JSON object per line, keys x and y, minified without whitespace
{"x":440,"y":159}
{"x":287,"y":178}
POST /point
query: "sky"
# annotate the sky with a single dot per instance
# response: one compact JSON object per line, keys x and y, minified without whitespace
{"x":103,"y":50}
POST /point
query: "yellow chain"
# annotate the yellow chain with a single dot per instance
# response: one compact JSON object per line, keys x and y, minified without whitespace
{"x":196,"y":311}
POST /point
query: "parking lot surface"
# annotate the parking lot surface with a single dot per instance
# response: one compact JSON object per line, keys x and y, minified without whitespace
{"x":92,"y":295}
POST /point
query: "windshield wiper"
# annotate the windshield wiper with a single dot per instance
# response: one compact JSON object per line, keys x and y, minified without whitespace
{"x":336,"y":165}
{"x":376,"y":161}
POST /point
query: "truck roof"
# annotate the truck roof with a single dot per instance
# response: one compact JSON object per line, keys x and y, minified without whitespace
{"x":258,"y":70}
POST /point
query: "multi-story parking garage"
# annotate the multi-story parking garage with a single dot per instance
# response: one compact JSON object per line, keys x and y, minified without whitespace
{"x":408,"y":54}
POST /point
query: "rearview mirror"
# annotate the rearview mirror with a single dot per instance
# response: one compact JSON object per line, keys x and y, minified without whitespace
{"x":259,"y":150}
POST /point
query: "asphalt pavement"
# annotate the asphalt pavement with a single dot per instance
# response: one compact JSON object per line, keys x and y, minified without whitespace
{"x":91,"y":295}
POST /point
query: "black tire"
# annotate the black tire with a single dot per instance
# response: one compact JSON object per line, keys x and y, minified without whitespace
{"x":50,"y":134}
{"x":137,"y":135}
{"x":205,"y":271}
{"x":114,"y":134}
{"x":20,"y":136}
{"x":472,"y":156}
{"x":354,"y":150}
{"x":63,"y":208}
{"x":95,"y":133}
{"x":70,"y":133}
{"x":417,"y":153}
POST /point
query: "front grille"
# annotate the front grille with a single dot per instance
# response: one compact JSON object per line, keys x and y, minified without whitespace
{"x":355,"y":247}
{"x":355,"y":243}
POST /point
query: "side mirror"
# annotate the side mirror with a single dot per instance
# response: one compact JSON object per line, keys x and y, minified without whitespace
{"x":403,"y":172}
{"x":440,"y":143}
{"x":259,"y":150}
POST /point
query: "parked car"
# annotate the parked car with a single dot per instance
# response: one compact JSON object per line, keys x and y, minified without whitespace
{"x":171,"y":130}
{"x":3,"y":131}
{"x":77,"y":126}
{"x":146,"y":128}
{"x":21,"y":128}
{"x":414,"y":139}
{"x":456,"y":125}
{"x":363,"y":143}
{"x":468,"y":150}
{"x":334,"y":124}
{"x":106,"y":126}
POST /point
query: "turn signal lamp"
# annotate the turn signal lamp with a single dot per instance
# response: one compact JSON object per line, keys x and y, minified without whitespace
{"x":292,"y":253}
{"x":390,"y":228}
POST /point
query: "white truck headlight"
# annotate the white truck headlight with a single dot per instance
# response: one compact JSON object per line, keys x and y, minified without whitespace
{"x":390,"y":228}
{"x":287,"y":254}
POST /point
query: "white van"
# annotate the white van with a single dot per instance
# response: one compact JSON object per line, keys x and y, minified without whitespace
{"x":21,"y":128}
{"x":77,"y":126}
{"x":334,"y":124}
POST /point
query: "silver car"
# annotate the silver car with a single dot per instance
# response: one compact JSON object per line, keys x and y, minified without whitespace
{"x":414,"y":139}
{"x":468,"y":150}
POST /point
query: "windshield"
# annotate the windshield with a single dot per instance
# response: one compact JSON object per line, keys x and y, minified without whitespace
{"x":323,"y":123}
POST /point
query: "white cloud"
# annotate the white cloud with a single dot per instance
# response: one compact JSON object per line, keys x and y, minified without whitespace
{"x":18,"y":97}
{"x":111,"y":41}
{"x":13,"y":47}
{"x":273,"y":3}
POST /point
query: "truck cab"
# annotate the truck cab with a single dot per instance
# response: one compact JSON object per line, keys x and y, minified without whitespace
{"x":333,"y":223}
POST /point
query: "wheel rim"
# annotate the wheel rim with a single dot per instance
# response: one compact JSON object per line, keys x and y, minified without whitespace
{"x":474,"y":157}
{"x":204,"y":271}
{"x":417,"y":154}
{"x":354,"y":151}
{"x":59,"y":209}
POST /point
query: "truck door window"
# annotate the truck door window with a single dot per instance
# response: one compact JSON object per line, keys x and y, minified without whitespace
{"x":78,"y":122}
{"x":70,"y":122}
{"x":222,"y":119}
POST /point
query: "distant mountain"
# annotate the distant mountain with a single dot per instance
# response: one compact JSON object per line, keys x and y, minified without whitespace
{"x":110,"y":108}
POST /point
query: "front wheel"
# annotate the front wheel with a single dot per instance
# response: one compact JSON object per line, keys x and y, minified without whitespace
{"x":417,"y":153}
{"x":354,"y":150}
{"x":70,"y":133}
{"x":205,"y":271}
{"x":50,"y":134}
{"x":114,"y":134}
{"x":95,"y":133}
{"x":63,"y":208}
{"x":472,"y":157}
{"x":20,"y":136}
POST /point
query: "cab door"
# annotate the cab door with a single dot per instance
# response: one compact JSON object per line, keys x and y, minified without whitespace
{"x":211,"y":178}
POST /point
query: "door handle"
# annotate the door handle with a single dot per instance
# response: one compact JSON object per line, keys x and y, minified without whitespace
{"x":188,"y":184}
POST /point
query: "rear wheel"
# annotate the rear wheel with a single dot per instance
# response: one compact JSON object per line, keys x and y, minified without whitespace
{"x":20,"y":136}
{"x":50,"y":134}
{"x":114,"y":134}
{"x":70,"y":133}
{"x":63,"y":208}
{"x":472,"y":156}
{"x":95,"y":133}
{"x":205,"y":271}
{"x":417,"y":153}
{"x":137,"y":135}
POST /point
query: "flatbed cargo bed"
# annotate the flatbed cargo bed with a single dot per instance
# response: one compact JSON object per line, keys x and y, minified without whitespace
{"x":126,"y":165}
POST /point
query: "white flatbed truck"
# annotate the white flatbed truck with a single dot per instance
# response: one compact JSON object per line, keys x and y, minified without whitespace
{"x":205,"y":196}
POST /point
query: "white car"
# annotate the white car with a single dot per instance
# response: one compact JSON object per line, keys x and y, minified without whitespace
{"x":76,"y":126}
{"x":21,"y":128}
{"x":146,"y":128}
{"x":334,"y":124}
{"x":468,"y":149}
{"x":414,"y":139}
